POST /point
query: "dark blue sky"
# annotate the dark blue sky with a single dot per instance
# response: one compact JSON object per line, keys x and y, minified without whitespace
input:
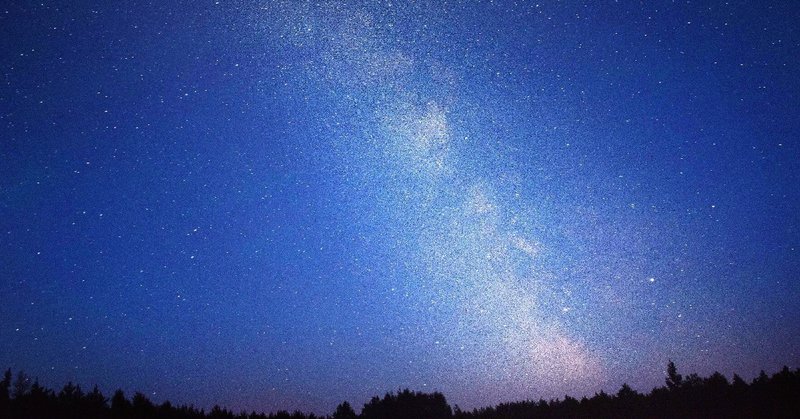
{"x":288,"y":204}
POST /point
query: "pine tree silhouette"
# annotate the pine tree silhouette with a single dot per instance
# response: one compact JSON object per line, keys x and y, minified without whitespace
{"x":344,"y":411}
{"x":714,"y":396}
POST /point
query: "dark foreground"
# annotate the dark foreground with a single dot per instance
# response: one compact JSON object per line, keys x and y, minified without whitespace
{"x":777,"y":396}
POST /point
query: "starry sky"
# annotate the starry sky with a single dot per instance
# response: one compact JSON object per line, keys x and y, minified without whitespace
{"x":284,"y":205}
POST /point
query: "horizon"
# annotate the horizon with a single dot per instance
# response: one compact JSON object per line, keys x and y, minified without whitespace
{"x":286,"y":205}
{"x":358,"y":407}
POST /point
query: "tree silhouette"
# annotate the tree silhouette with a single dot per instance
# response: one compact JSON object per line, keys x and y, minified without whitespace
{"x":21,"y":385}
{"x":4,"y":396}
{"x":94,"y":404}
{"x":407,"y":404}
{"x":5,"y":385}
{"x":344,"y":411}
{"x":674,"y":380}
{"x":776,"y":396}
{"x":120,"y":406}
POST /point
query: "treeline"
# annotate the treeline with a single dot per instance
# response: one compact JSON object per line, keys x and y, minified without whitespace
{"x":682,"y":397}
{"x":693,"y":396}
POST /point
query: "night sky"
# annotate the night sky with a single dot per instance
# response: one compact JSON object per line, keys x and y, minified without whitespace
{"x":284,"y":205}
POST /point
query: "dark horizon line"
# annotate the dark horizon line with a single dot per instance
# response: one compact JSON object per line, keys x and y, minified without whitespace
{"x":26,"y":389}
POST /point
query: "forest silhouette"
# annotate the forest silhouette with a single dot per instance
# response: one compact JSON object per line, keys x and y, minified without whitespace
{"x":776,"y":396}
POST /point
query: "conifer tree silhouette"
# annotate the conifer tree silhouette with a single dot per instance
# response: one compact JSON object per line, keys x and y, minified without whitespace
{"x":674,"y":380}
{"x":344,"y":411}
{"x":776,"y":396}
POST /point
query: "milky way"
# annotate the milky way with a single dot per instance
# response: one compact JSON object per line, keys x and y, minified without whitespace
{"x":481,"y":279}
